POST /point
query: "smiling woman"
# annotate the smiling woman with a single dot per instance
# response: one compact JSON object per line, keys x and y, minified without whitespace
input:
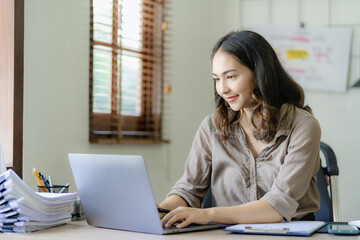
{"x":259,"y":151}
{"x":126,"y":70}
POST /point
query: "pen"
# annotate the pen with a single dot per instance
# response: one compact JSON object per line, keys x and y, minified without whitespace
{"x":162,"y":210}
{"x":64,"y":188}
{"x":51,"y":186}
{"x":39,"y":182}
{"x":44,"y":181}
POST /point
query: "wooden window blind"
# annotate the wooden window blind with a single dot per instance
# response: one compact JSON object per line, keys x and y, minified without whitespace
{"x":126,"y":51}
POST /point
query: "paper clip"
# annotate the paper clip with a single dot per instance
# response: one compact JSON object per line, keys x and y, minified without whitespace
{"x":265,"y":230}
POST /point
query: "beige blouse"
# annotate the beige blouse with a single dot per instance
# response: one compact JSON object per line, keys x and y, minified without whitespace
{"x":283,"y":174}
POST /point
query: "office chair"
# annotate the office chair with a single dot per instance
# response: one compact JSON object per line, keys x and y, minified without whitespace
{"x":326,"y":176}
{"x":328,"y":187}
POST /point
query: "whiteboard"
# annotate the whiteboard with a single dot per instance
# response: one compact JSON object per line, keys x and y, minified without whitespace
{"x":316,"y":57}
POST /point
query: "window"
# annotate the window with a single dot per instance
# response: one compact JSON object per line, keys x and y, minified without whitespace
{"x":126,"y":70}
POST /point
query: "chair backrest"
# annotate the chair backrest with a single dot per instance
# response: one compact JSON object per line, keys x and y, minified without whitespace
{"x":326,"y":176}
{"x":328,"y":187}
{"x":207,"y":202}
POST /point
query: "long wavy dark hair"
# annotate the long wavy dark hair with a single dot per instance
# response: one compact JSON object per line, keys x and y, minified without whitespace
{"x":274,"y":86}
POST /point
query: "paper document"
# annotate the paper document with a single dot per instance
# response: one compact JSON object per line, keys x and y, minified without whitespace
{"x":301,"y":228}
{"x":23,"y":210}
{"x":355,"y":223}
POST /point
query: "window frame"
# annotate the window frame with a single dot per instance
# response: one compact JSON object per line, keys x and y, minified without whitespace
{"x":145,"y":128}
{"x":12,"y":82}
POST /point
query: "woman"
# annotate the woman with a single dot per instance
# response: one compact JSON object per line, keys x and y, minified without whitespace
{"x":259,"y":152}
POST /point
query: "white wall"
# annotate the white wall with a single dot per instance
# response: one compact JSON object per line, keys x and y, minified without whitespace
{"x":56,"y":77}
{"x":195,"y":26}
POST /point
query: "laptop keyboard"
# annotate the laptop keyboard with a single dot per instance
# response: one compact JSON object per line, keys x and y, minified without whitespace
{"x":175,"y":224}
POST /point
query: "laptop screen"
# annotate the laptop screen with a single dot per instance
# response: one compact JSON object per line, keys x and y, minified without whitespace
{"x":115,"y":192}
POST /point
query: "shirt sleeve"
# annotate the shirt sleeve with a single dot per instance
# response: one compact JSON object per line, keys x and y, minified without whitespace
{"x":193,"y":184}
{"x":301,"y":164}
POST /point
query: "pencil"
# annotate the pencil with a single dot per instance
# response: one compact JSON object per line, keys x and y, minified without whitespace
{"x":39,"y":182}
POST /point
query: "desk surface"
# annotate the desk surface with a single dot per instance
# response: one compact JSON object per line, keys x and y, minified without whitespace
{"x":80,"y":230}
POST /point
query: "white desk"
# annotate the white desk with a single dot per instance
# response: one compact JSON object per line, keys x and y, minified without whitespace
{"x":80,"y":230}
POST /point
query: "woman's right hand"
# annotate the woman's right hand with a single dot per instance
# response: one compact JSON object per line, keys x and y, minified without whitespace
{"x":171,"y":202}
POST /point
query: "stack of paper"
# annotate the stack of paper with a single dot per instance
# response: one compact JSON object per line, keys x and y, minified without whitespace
{"x":23,"y":210}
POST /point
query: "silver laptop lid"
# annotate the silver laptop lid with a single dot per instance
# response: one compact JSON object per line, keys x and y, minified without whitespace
{"x":115,"y":192}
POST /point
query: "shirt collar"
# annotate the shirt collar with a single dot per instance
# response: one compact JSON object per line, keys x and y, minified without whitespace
{"x":287,"y":113}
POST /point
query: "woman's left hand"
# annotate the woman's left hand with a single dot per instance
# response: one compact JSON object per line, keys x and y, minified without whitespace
{"x":186,"y":215}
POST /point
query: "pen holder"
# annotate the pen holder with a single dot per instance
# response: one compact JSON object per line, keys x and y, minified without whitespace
{"x":78,"y":212}
{"x":54,"y":188}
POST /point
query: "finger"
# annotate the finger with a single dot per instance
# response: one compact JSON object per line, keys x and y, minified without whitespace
{"x":166,"y":218}
{"x":185,"y":223}
{"x":169,"y":219}
{"x":176,"y":218}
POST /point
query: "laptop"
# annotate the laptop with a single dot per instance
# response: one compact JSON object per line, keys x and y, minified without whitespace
{"x":115,"y":192}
